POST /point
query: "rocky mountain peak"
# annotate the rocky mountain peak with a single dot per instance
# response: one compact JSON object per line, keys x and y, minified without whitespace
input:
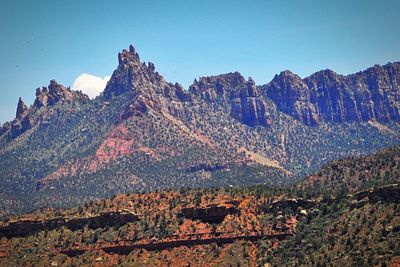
{"x":21,"y":108}
{"x":46,"y":97}
{"x":222,"y":87}
{"x":147,"y":88}
{"x":54,"y":92}
{"x":326,"y":74}
{"x":287,"y":79}
{"x":134,"y":76}
{"x":232,"y":90}
{"x":128,"y":56}
{"x":286,"y":73}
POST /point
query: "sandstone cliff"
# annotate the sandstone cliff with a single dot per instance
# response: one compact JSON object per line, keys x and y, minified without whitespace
{"x":373,"y":94}
{"x":245,"y":102}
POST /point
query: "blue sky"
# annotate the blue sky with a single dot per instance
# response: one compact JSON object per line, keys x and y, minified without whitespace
{"x":43,"y":40}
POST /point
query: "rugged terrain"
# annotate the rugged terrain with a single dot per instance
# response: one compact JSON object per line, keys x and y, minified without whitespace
{"x":254,"y":226}
{"x":144,"y":133}
{"x":352,"y":174}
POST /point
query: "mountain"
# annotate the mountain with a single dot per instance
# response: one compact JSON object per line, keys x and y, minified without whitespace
{"x":327,"y":96}
{"x":144,"y":133}
{"x":46,"y":98}
{"x":242,"y":97}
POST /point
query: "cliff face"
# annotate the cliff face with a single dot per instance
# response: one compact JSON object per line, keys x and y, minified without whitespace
{"x":246,"y":103}
{"x":292,"y":96}
{"x":49,"y":96}
{"x":148,"y":88}
{"x":373,"y":94}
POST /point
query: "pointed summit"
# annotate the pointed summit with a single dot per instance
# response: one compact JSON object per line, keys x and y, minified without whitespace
{"x":133,"y":75}
{"x":128,"y":56}
{"x":21,"y":108}
{"x":132,"y":49}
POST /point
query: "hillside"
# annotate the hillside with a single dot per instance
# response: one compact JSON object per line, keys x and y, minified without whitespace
{"x":288,"y":226}
{"x":362,"y":231}
{"x":356,"y":173}
{"x":144,"y":134}
{"x":239,"y":226}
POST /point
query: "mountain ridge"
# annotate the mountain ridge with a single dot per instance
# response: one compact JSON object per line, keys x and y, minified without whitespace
{"x":327,"y":96}
{"x":144,"y":133}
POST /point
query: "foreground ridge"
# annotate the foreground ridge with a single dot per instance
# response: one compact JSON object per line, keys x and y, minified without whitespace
{"x":257,"y":228}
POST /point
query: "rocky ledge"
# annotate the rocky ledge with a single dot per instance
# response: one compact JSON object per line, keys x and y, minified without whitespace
{"x":24,"y":227}
{"x":212,"y":214}
{"x":387,"y":194}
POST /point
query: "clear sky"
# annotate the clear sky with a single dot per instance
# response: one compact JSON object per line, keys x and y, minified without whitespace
{"x":43,"y":40}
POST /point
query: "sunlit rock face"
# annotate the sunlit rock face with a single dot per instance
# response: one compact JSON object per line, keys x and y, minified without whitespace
{"x":231,"y":89}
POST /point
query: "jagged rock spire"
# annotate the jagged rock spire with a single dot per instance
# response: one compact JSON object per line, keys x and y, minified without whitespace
{"x":54,"y":92}
{"x":133,"y":75}
{"x":128,"y":56}
{"x":21,"y":108}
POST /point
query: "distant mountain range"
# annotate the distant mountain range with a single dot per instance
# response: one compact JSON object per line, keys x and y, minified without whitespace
{"x":144,"y":133}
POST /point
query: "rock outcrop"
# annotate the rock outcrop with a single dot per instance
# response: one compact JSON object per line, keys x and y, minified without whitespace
{"x":373,"y":94}
{"x":206,"y":167}
{"x":246,"y":103}
{"x":292,"y":96}
{"x":211,"y":214}
{"x":55,"y":92}
{"x":45,"y":97}
{"x":109,"y":218}
{"x":21,"y":108}
{"x":124,"y":247}
{"x":25,"y":227}
{"x":293,"y":204}
{"x":388,"y":194}
{"x":147,"y":87}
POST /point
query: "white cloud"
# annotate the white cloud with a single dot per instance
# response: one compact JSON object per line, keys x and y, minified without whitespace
{"x":90,"y":84}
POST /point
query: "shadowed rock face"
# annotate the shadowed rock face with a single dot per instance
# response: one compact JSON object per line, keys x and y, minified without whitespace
{"x":21,"y":108}
{"x":388,"y":194}
{"x":26,"y":227}
{"x":292,"y":96}
{"x":373,"y":94}
{"x":246,"y":103}
{"x":211,"y":214}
